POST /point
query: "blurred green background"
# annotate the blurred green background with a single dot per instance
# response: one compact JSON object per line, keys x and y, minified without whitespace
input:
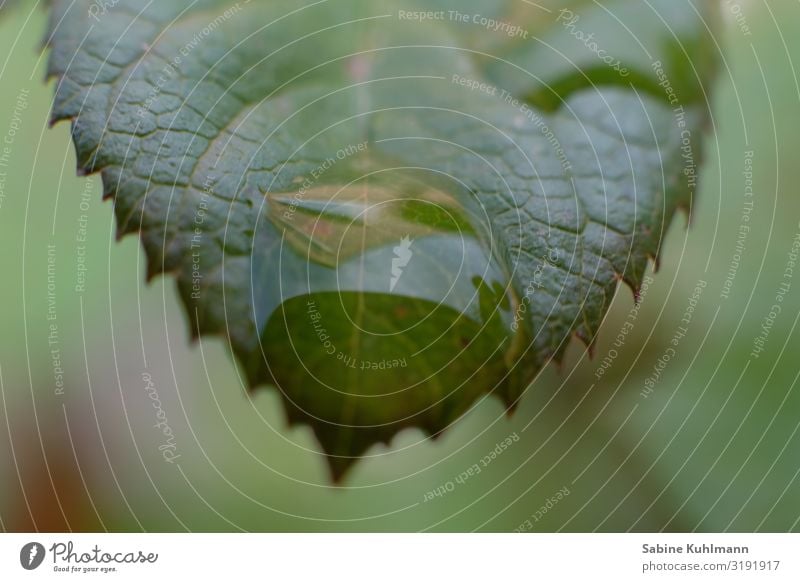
{"x":714,"y":446}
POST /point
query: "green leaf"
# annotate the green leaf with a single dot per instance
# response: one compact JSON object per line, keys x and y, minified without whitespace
{"x":368,"y":205}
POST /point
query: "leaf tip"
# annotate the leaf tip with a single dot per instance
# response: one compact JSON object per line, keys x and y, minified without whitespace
{"x":339,"y":467}
{"x":511,"y":408}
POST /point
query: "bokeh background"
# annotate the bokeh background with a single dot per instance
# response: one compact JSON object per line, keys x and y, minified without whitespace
{"x":714,"y":446}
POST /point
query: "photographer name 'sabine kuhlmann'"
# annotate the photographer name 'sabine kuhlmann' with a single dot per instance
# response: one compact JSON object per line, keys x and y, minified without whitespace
{"x":693,"y":549}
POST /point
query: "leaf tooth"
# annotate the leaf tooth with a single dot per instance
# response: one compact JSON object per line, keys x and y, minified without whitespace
{"x":339,"y":464}
{"x":152,"y":271}
{"x":685,"y":207}
{"x":51,"y":72}
{"x":656,"y":259}
{"x":591,"y":344}
{"x":126,"y":224}
{"x":339,"y":467}
{"x":434,"y":435}
{"x":632,"y":280}
{"x":56,"y":118}
{"x":87,"y":162}
{"x":194,"y":332}
{"x":154,"y":264}
{"x":110,"y":178}
{"x":511,"y":405}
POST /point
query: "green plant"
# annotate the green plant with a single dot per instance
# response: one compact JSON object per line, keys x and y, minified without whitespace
{"x":389,"y":208}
